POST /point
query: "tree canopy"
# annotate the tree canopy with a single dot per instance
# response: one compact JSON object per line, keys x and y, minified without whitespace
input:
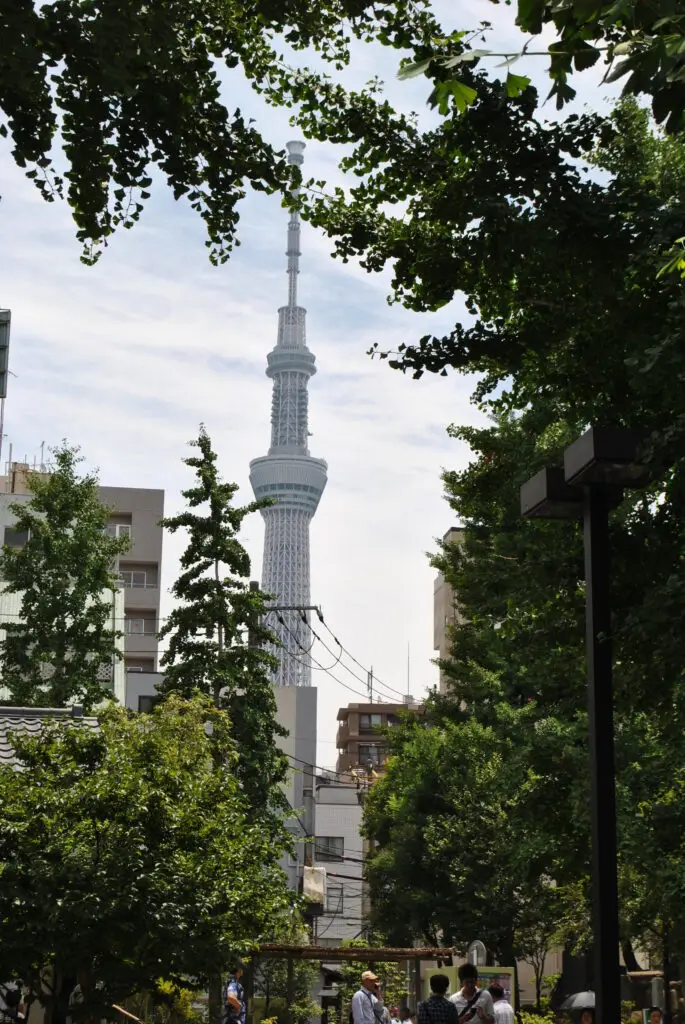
{"x":126,"y":855}
{"x":101,"y":99}
{"x":574,"y":329}
{"x":63,"y":646}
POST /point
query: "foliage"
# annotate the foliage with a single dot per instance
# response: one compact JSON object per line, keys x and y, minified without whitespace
{"x":125,"y":854}
{"x":209,"y":645}
{"x":167,"y":1003}
{"x":571,"y":326}
{"x":62,"y":648}
{"x":393,"y":979}
{"x":271,"y":990}
{"x":132,"y":92}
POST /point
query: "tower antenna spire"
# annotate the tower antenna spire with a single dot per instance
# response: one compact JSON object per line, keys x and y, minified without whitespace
{"x":296,"y":158}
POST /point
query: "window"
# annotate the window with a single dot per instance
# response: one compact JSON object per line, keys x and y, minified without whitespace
{"x":329,"y":848}
{"x":118,"y":530}
{"x":139,"y":665}
{"x":146,"y":704}
{"x":139,"y":626}
{"x":15,"y":538}
{"x":334,"y":899}
{"x":369,"y":752}
{"x":134,"y":578}
{"x":369,"y":722}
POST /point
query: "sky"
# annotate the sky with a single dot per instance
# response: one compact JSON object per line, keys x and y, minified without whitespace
{"x":127,"y":358}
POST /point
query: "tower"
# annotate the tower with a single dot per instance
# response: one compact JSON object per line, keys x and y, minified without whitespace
{"x":289,"y":474}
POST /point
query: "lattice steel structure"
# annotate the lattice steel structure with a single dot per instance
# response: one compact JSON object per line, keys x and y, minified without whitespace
{"x":289,"y":474}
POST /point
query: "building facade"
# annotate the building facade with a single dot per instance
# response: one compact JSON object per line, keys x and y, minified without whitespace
{"x":445,"y":609}
{"x":339,"y":848}
{"x":136,"y":514}
{"x":296,"y":712}
{"x":361,"y":746}
{"x":289,"y":475}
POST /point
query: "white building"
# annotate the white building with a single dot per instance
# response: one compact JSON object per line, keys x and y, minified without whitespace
{"x":339,"y":848}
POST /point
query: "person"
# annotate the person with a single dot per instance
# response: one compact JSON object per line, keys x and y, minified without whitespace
{"x":234,"y":1003}
{"x":437,"y":1009}
{"x":367,"y":1006}
{"x":655,"y":1015}
{"x":587,"y":1017}
{"x":471,"y":1001}
{"x":395,"y":1015}
{"x":504,"y":1012}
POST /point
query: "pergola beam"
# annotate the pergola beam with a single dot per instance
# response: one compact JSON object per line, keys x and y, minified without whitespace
{"x":345,"y":953}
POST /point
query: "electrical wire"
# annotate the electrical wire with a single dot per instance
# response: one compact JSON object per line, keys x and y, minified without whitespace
{"x":351,"y":656}
{"x":342,"y":649}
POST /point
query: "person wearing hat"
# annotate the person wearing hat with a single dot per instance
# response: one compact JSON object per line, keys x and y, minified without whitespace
{"x":367,"y":1006}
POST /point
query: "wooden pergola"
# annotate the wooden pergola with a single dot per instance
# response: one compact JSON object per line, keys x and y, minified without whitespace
{"x":345,"y":954}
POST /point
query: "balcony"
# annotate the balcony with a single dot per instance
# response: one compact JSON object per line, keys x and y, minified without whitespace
{"x":343,"y":735}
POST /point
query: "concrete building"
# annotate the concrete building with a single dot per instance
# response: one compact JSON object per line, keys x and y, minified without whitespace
{"x":136,"y":514}
{"x":296,"y":710}
{"x":359,"y":743}
{"x":339,"y":849}
{"x":445,"y":609}
{"x":289,"y":475}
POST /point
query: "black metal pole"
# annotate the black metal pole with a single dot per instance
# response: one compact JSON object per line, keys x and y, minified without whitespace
{"x":602,"y":765}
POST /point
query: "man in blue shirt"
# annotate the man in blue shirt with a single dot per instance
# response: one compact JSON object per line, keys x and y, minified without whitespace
{"x":367,"y":1006}
{"x":234,"y":1004}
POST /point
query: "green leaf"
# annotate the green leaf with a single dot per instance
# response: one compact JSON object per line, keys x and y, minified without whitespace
{"x":414,"y":70}
{"x":516,"y":84}
{"x":465,"y":58}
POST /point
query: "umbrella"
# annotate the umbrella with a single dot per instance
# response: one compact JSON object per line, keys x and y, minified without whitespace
{"x":579,"y":1001}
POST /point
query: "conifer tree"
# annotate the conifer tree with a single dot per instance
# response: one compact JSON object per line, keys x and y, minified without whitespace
{"x":209,"y":649}
{"x":62,"y":648}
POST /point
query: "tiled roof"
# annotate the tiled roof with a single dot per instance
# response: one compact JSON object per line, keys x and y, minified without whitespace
{"x":30,"y":721}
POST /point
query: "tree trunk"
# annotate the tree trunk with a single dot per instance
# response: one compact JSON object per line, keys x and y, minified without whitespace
{"x":214,"y":1004}
{"x":629,"y":958}
{"x":667,"y":973}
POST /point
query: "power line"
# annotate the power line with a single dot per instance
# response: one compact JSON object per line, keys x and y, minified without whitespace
{"x":352,"y":657}
{"x":343,"y":665}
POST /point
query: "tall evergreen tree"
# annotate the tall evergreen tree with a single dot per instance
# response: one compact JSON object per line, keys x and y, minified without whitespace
{"x":62,"y":648}
{"x":209,"y":647}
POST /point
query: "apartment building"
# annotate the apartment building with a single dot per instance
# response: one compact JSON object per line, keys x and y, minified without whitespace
{"x":339,"y":848}
{"x":136,"y":514}
{"x":361,"y":744}
{"x":445,"y":609}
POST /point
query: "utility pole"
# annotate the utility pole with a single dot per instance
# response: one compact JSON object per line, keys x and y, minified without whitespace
{"x":369,"y":684}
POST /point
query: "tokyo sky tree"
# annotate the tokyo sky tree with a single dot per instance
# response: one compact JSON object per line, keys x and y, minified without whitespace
{"x":289,"y":474}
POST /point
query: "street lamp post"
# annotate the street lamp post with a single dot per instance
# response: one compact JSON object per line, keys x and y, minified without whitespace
{"x":596,"y":468}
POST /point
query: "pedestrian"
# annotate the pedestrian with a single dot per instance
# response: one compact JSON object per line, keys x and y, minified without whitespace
{"x":395,"y":1015}
{"x":367,"y":1005}
{"x":504,"y":1011}
{"x":472,"y":1001}
{"x":234,"y":1009}
{"x":437,"y":1009}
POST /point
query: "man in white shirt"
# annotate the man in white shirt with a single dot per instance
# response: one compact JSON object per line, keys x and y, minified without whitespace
{"x":367,"y":1007}
{"x":504,"y":1011}
{"x":472,"y":1003}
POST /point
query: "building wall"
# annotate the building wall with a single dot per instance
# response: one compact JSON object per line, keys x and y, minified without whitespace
{"x":358,"y":741}
{"x":141,"y":684}
{"x":445,"y":609}
{"x":296,"y":712}
{"x":339,"y":815}
{"x":143,"y":509}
